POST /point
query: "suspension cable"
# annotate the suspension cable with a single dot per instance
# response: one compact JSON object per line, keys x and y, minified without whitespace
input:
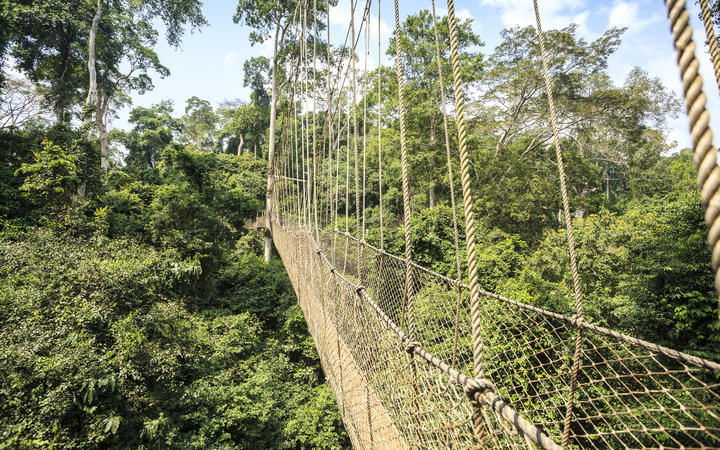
{"x":568,"y":226}
{"x":695,"y":99}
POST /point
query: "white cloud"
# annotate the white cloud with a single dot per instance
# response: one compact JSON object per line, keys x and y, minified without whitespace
{"x":340,"y":14}
{"x":465,"y":14}
{"x":230,"y":58}
{"x":626,"y":14}
{"x":623,"y":14}
{"x":385,"y":30}
{"x":553,"y":13}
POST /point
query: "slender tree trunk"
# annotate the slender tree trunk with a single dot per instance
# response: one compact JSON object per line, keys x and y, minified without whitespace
{"x":101,"y":121}
{"x":607,"y":182}
{"x":92,"y":89}
{"x":432,"y":198}
{"x":271,"y":145}
{"x":240,"y":145}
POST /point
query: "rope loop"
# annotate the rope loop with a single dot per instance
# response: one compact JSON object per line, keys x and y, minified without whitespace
{"x":578,"y":321}
{"x":360,"y":290}
{"x":478,"y":386}
{"x":412,"y":346}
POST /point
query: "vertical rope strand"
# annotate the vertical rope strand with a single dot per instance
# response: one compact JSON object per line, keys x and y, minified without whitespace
{"x":702,"y":136}
{"x":451,"y":181}
{"x":379,"y":131}
{"x":366,"y":52}
{"x":314,"y":130}
{"x":405,"y":178}
{"x":407,"y":211}
{"x":711,"y":39}
{"x":355,"y":145}
{"x":329,"y":121}
{"x":568,"y":225}
{"x":468,"y":213}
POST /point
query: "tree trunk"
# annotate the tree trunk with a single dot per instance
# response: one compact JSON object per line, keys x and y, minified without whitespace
{"x":92,"y":89}
{"x":432,"y":198}
{"x":101,"y":121}
{"x":606,"y":175}
{"x":240,"y":145}
{"x":271,"y":145}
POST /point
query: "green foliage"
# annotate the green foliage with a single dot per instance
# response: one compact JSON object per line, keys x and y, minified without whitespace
{"x":142,"y":316}
{"x":52,"y":178}
{"x":152,"y":132}
{"x":199,"y":123}
{"x":645,"y":273}
{"x":52,"y":169}
{"x":118,"y":349}
{"x":48,"y":41}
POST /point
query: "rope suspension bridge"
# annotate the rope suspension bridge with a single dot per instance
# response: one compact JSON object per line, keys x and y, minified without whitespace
{"x":419,"y":359}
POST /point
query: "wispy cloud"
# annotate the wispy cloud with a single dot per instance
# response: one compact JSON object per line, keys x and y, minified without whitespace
{"x":554,"y":13}
{"x":626,"y":14}
{"x":230,"y":58}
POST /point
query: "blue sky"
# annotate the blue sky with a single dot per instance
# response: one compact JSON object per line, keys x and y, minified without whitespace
{"x":209,"y":62}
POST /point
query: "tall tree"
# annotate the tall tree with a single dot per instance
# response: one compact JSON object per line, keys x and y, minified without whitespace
{"x":263,"y":17}
{"x":129,"y":36}
{"x":153,"y":130}
{"x":199,"y":123}
{"x":417,"y":40}
{"x":258,"y":77}
{"x":244,"y":127}
{"x":606,"y":129}
{"x":47,"y":40}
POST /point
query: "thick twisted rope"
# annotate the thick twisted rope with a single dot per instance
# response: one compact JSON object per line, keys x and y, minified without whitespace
{"x":468,"y":212}
{"x":711,"y":39}
{"x":379,"y":113}
{"x":702,"y":136}
{"x":405,"y":179}
{"x":406,"y":207}
{"x":456,"y":237}
{"x":358,"y":224}
{"x":568,"y":226}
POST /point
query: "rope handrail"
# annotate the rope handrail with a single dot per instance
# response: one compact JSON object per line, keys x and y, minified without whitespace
{"x":672,"y":353}
{"x":398,"y":341}
{"x":485,"y":395}
{"x":500,"y":406}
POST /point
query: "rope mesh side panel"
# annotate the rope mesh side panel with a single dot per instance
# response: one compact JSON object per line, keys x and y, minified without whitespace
{"x":628,"y":392}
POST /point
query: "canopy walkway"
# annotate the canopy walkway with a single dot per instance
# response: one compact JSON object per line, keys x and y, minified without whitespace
{"x":417,"y":359}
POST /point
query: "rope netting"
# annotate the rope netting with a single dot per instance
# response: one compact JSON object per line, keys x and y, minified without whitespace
{"x":417,"y":359}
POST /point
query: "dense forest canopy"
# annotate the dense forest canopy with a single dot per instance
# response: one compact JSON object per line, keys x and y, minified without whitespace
{"x":136,"y":308}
